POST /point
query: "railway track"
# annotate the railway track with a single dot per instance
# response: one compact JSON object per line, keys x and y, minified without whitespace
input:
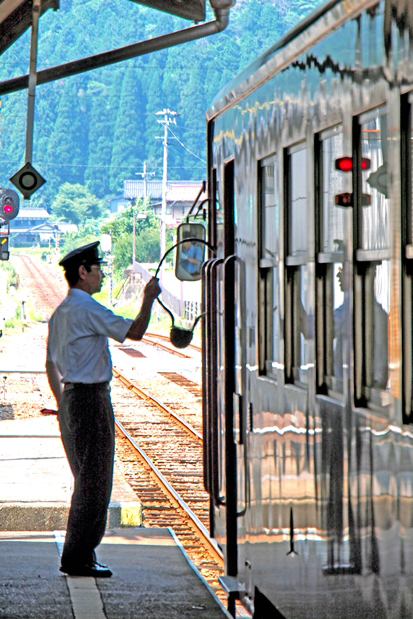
{"x":166,"y":473}
{"x":162,"y":508}
{"x":153,"y":338}
{"x":42,"y":285}
{"x":184,"y":382}
{"x":172,"y":443}
{"x":146,"y":396}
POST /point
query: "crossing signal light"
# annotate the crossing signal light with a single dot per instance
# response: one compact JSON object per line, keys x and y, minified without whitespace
{"x":9,"y":205}
{"x":4,"y":248}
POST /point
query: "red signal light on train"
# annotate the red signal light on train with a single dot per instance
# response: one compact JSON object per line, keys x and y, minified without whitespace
{"x":345,"y":164}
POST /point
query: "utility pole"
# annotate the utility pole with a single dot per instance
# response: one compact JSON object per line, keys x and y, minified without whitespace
{"x":145,"y":175}
{"x":169,"y":118}
{"x":145,"y":186}
{"x":134,"y":242}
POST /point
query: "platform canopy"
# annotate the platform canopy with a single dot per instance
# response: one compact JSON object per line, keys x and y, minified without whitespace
{"x":16,"y":18}
{"x":16,"y":15}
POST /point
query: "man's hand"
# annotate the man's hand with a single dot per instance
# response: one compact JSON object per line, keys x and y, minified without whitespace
{"x":140,"y":324}
{"x":152,"y":289}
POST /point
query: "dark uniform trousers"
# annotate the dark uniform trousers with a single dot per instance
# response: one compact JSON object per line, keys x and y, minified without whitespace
{"x":88,"y":433}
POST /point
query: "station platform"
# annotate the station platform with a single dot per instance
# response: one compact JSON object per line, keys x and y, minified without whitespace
{"x":151,"y":579}
{"x":36,"y":481}
{"x":152,"y":576}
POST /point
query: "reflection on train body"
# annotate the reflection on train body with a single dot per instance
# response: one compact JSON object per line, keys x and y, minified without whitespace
{"x":308,"y":337}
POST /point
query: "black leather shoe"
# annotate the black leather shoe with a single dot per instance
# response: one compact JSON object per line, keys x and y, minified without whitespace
{"x":95,"y":569}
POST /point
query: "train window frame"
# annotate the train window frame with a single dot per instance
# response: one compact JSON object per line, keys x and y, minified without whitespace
{"x":298,"y":326}
{"x":269,"y":360}
{"x":329,"y":263}
{"x":370,"y":265}
{"x":406,"y":142}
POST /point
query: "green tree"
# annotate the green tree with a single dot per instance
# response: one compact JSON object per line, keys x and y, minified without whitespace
{"x":147,"y":235}
{"x":128,"y":150}
{"x":86,"y":233}
{"x":155,"y":103}
{"x":123,"y":254}
{"x":76,"y":204}
{"x":192,"y":110}
{"x":68,"y":149}
{"x":100,"y":139}
{"x":72,"y":240}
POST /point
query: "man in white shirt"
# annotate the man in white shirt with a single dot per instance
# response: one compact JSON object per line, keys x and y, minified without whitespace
{"x":79,"y":370}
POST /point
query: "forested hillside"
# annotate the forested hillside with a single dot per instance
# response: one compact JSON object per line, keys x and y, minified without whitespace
{"x":98,"y":128}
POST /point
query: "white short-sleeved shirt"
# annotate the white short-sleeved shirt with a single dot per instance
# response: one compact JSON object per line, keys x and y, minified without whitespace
{"x":78,"y":338}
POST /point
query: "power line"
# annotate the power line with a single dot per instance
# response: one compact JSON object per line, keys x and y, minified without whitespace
{"x":186,"y":148}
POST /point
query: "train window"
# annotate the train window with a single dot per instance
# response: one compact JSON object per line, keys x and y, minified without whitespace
{"x":331,"y":275}
{"x":297,"y":216}
{"x":219,"y":210}
{"x":332,"y":220}
{"x":298,"y":317}
{"x":374,"y":216}
{"x":268,"y":227}
{"x":372,"y":282}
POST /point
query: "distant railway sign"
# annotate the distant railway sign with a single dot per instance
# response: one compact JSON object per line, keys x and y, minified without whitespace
{"x":27,"y":180}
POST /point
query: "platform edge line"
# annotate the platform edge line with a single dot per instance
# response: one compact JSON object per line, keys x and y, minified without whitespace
{"x":198,"y":573}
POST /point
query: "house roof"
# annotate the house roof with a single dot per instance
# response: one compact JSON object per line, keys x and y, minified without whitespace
{"x":33,"y":213}
{"x":182,"y":191}
{"x":183,"y":194}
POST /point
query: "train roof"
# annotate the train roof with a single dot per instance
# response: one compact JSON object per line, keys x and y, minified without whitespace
{"x":266,"y":64}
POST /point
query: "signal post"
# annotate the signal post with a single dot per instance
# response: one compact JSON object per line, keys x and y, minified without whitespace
{"x":9,"y":209}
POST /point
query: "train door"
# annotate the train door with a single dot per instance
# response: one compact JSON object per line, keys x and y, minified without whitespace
{"x":228,"y":349}
{"x":220,"y":458}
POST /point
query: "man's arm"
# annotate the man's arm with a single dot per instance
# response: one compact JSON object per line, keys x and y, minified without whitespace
{"x":140,"y":324}
{"x":55,"y":380}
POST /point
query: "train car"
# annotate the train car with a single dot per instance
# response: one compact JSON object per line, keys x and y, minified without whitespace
{"x":308,"y":339}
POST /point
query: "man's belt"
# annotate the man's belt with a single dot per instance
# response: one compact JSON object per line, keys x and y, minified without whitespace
{"x":69,"y":386}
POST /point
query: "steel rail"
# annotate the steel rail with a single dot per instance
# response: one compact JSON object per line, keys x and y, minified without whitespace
{"x":176,"y":499}
{"x":173,"y":351}
{"x":162,"y":336}
{"x":49,"y":294}
{"x":146,"y":396}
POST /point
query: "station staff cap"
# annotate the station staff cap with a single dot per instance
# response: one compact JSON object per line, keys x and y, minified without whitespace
{"x":87,"y":254}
